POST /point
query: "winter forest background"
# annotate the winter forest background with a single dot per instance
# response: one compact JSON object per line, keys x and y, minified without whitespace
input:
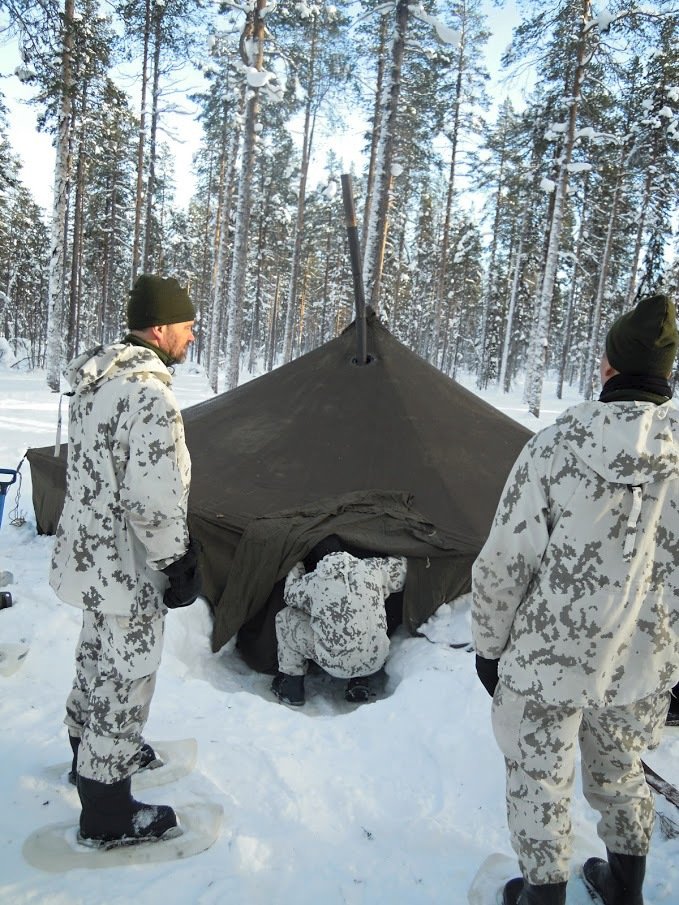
{"x":500,"y":234}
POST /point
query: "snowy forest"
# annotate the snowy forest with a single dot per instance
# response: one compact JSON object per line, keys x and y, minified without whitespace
{"x":499,"y":237}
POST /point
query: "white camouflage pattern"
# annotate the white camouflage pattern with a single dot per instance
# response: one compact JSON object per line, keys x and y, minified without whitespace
{"x":124,"y":519}
{"x":129,"y":471}
{"x":577,"y":593}
{"x":540,"y":745}
{"x":116,"y":664}
{"x":335,"y":615}
{"x":577,"y":587}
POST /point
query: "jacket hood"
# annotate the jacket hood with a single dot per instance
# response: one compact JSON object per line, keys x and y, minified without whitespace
{"x":103,"y":363}
{"x":630,"y":443}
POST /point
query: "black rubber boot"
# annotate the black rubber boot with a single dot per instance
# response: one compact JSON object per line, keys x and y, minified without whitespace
{"x":73,"y":772}
{"x":358,"y":690}
{"x":518,"y":892}
{"x":289,"y":689}
{"x":673,"y":712}
{"x":148,"y":759}
{"x":111,"y":817}
{"x":619,"y":880}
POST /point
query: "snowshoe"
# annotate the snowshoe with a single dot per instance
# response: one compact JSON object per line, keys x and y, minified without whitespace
{"x":111,"y":817}
{"x":289,"y":689}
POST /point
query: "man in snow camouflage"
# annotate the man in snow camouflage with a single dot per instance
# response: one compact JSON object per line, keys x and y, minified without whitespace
{"x":576,"y":609}
{"x":335,"y":615}
{"x":122,"y":552}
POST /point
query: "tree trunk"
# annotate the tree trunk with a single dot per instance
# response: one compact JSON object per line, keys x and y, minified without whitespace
{"x":217,"y":307}
{"x":298,"y":233}
{"x":442,"y":269}
{"x":379,"y":207}
{"x":151,"y":182}
{"x":504,"y":378}
{"x":544,"y":300}
{"x":73,"y":332}
{"x":253,"y":36}
{"x":593,"y":351}
{"x":62,"y":179}
{"x":375,"y":131}
{"x":139,"y":196}
{"x":575,"y":285}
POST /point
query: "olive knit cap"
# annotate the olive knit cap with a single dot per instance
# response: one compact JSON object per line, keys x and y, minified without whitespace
{"x":157,"y":300}
{"x":644,"y":340}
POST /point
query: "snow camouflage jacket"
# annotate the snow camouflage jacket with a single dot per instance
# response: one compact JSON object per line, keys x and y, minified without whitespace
{"x":344,"y":598}
{"x":129,"y":470}
{"x":577,"y":587}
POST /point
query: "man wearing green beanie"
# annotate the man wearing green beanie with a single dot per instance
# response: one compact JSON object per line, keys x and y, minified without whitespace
{"x":160,"y":316}
{"x":575,"y":616}
{"x":123,"y":554}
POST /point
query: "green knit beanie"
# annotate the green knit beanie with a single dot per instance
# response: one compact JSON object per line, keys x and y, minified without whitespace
{"x":644,"y":340}
{"x":155,"y":301}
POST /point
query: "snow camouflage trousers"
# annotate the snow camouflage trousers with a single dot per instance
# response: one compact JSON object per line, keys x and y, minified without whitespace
{"x":116,"y":664}
{"x":539,"y":743}
{"x":298,"y":642}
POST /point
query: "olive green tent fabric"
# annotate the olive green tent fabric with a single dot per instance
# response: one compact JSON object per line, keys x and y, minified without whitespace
{"x":393,"y":456}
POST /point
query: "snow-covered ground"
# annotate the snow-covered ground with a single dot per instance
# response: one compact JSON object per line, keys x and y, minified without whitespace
{"x":394,"y":802}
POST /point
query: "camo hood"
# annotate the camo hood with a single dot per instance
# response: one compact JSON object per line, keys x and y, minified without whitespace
{"x":93,"y":368}
{"x":624,"y":442}
{"x":576,"y":590}
{"x":127,"y":484}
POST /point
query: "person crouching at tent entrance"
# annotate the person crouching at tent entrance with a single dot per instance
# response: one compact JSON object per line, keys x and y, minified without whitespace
{"x":575,"y":616}
{"x":123,"y":555}
{"x":335,"y":615}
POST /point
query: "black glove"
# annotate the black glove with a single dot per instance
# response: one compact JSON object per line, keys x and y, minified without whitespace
{"x":486,"y":670}
{"x":184,"y":575}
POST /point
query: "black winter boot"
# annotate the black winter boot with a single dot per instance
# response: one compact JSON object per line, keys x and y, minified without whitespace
{"x":617,"y":881}
{"x":111,"y":817}
{"x":148,"y":759}
{"x":73,"y":772}
{"x":358,"y":690}
{"x":518,"y":892}
{"x":289,"y":689}
{"x":673,"y":712}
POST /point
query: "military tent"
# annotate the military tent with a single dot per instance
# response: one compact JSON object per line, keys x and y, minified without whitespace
{"x":392,"y":455}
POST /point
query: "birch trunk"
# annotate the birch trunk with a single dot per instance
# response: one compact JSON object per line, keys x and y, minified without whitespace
{"x":62,"y":179}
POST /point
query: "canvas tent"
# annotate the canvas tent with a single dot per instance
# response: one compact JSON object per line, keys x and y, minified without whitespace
{"x":393,"y":456}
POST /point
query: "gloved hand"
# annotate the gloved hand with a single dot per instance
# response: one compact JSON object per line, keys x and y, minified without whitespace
{"x":486,"y":670}
{"x":185,"y":584}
